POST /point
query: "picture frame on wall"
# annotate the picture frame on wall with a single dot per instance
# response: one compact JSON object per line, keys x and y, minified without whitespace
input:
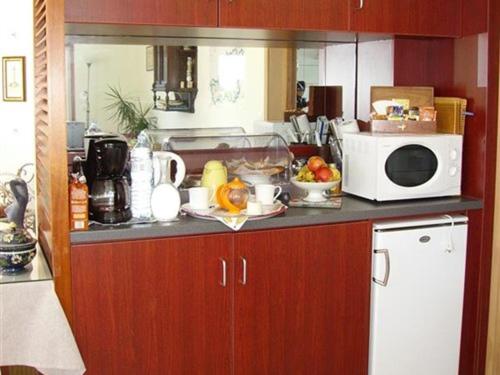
{"x":150,"y":58}
{"x":14,"y":78}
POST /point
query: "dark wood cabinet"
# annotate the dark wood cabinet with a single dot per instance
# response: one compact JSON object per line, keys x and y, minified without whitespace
{"x":407,"y":17}
{"x":302,"y":300}
{"x":143,"y":12}
{"x":154,"y":307}
{"x":403,"y":17}
{"x":291,"y":301}
{"x":285,"y":14}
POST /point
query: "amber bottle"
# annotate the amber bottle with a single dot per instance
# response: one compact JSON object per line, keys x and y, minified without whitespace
{"x":78,"y":203}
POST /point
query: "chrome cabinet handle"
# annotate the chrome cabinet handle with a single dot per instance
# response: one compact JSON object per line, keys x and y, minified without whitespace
{"x":223,"y":282}
{"x":361,"y":4}
{"x":244,"y":272}
{"x":387,"y":267}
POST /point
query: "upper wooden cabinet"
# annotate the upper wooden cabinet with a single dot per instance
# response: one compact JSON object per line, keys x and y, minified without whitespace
{"x":403,"y":17}
{"x":285,"y":14}
{"x":407,"y":17}
{"x":140,"y":12}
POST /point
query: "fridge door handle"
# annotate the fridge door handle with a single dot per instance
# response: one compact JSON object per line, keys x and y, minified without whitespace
{"x":385,"y":281}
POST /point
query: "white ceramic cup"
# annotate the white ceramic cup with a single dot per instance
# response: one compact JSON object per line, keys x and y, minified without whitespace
{"x":254,"y":208}
{"x":199,"y":198}
{"x":265,"y":193}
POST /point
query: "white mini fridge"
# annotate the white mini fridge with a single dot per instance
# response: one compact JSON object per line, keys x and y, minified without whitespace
{"x":417,"y":296}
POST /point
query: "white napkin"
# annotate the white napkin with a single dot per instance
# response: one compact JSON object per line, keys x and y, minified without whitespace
{"x":233,"y":222}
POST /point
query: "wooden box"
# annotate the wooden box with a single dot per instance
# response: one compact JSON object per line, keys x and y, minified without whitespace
{"x":450,"y":115}
{"x":417,"y":96}
{"x":419,"y":127}
{"x":325,"y":101}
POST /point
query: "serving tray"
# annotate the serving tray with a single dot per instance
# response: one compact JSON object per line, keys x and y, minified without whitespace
{"x":215,"y":213}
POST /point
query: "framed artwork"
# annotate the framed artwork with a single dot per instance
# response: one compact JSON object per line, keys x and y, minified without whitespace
{"x":150,"y":58}
{"x":14,"y":78}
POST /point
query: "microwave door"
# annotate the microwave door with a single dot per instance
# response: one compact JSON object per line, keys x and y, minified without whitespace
{"x":411,"y":166}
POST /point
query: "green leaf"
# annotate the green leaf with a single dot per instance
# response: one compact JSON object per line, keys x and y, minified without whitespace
{"x":130,"y":115}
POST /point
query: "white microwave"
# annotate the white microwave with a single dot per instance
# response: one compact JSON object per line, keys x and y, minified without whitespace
{"x":386,"y":167}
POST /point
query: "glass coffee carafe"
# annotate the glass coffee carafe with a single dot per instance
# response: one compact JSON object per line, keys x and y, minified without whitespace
{"x":110,"y":192}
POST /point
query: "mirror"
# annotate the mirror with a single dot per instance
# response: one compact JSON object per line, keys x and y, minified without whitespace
{"x":256,"y":88}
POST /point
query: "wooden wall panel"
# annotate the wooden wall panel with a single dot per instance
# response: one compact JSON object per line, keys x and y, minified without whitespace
{"x":465,"y":82}
{"x":493,"y":117}
{"x":451,"y":66}
{"x":424,"y":62}
{"x":475,"y":17}
{"x":50,"y":133}
{"x":281,"y":71}
{"x":493,"y":355}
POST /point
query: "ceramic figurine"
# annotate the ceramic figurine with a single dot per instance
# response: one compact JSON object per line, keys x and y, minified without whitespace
{"x":16,"y":211}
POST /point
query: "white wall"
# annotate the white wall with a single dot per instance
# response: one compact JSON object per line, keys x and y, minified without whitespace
{"x":375,"y":68}
{"x":308,"y":67}
{"x":337,"y":68}
{"x":122,"y":66}
{"x":17,"y":118}
{"x":249,"y":108}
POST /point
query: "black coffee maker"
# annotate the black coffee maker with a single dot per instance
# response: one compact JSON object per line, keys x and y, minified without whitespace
{"x":108,"y":185}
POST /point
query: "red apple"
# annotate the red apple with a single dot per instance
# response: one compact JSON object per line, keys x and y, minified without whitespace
{"x":315,"y":162}
{"x":323,"y":174}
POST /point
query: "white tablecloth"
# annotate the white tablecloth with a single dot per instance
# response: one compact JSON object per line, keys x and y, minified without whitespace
{"x":34,"y":330}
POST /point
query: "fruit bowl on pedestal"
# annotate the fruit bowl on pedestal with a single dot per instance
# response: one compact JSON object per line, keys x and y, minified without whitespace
{"x":315,"y":189}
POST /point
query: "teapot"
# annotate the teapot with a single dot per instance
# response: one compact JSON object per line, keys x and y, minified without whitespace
{"x":165,"y":199}
{"x":214,"y":175}
{"x":233,"y":196}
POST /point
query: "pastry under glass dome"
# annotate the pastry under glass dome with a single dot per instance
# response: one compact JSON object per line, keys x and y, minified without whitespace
{"x":259,"y":158}
{"x":160,"y":138}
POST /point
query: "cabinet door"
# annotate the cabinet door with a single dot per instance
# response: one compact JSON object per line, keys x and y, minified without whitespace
{"x":302,"y":307}
{"x":154,"y":307}
{"x":414,"y":17}
{"x":285,"y":14}
{"x":143,"y":12}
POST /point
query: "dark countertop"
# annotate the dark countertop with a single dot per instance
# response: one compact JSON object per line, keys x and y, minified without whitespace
{"x":353,"y":209}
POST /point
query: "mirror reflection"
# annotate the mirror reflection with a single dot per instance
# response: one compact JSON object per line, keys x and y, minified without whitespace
{"x":126,"y":88}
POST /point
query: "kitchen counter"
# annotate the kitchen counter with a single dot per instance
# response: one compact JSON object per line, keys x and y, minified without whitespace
{"x":353,"y":209}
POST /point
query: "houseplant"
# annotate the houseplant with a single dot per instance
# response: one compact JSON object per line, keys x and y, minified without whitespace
{"x":130,"y":114}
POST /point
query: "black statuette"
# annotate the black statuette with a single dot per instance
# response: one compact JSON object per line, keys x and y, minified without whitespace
{"x":15,"y":212}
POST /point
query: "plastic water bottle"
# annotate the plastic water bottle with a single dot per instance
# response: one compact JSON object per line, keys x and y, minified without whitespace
{"x":141,"y":172}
